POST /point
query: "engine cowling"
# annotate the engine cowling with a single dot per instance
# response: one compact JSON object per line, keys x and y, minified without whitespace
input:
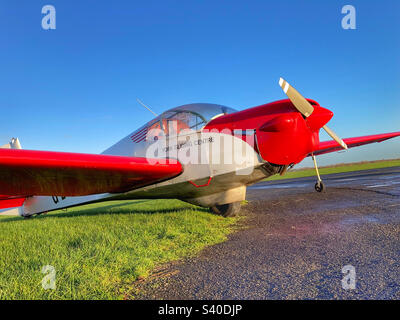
{"x":289,"y":137}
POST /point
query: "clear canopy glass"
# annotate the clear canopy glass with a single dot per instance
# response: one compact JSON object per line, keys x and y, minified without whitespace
{"x":190,"y":116}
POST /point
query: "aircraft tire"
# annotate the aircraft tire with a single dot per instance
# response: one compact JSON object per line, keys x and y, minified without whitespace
{"x":319,"y":187}
{"x":226,"y":210}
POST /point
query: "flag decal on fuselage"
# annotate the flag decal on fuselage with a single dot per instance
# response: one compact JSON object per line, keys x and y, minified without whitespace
{"x":139,"y":136}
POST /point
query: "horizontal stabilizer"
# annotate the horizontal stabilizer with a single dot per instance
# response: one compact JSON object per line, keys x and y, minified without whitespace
{"x":10,"y":202}
{"x":11,"y":205}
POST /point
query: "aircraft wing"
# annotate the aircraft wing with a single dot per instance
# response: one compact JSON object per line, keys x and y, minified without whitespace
{"x":43,"y":173}
{"x":332,"y":146}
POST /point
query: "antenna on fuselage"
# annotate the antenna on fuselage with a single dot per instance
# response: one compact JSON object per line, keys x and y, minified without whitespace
{"x":147,"y":107}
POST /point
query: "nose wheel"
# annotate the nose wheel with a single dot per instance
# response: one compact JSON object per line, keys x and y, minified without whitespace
{"x":319,"y":186}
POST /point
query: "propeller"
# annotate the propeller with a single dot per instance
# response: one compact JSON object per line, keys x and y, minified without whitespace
{"x":335,"y":137}
{"x":305,"y":108}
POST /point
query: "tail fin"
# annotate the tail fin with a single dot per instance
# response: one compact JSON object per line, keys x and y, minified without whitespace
{"x":13,"y":144}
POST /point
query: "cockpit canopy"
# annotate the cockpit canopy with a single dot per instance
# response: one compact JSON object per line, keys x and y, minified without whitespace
{"x":187,"y":117}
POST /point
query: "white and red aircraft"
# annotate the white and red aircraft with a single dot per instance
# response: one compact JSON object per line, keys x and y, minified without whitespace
{"x":204,"y":154}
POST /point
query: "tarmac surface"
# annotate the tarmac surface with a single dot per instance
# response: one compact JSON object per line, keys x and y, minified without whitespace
{"x":295,"y":242}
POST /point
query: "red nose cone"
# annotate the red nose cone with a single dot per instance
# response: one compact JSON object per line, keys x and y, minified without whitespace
{"x":319,"y":118}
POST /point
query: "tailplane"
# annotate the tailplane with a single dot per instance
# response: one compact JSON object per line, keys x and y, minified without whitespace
{"x":11,"y":205}
{"x":13,"y":144}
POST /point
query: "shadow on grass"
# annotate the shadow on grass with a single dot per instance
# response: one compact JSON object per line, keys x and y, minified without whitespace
{"x":109,"y":209}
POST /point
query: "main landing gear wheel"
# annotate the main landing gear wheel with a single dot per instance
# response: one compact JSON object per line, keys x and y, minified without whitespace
{"x":226,"y":210}
{"x":319,"y":186}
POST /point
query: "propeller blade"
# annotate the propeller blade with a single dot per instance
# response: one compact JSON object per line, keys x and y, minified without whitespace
{"x":335,"y":137}
{"x":305,"y":108}
{"x":301,"y":104}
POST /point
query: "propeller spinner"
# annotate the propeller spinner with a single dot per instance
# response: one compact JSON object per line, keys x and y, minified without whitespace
{"x":305,"y":108}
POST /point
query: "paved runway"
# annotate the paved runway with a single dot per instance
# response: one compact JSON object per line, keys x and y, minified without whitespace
{"x":295,"y":243}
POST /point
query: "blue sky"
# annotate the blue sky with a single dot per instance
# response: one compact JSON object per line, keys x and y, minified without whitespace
{"x":75,"y":88}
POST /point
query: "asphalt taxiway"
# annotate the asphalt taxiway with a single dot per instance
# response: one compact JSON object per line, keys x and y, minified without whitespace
{"x":295,"y":242}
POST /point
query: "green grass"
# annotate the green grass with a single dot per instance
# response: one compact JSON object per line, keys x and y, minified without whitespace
{"x":99,"y":250}
{"x":300,"y":173}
